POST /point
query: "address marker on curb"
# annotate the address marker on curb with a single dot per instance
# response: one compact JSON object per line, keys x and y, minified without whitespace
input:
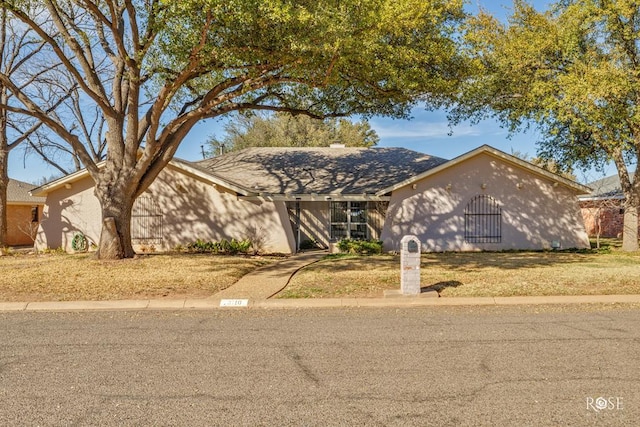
{"x":234,"y":302}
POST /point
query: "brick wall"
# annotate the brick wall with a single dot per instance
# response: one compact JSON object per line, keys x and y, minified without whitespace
{"x":610,"y":214}
{"x":19,"y":217}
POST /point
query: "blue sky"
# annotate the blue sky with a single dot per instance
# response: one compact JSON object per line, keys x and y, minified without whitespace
{"x":426,"y":131}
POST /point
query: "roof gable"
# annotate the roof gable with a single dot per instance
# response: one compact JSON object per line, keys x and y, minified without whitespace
{"x":182,"y":165}
{"x":324,"y":171}
{"x":486,"y":149}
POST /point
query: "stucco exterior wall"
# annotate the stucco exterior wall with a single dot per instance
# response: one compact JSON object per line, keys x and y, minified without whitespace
{"x":19,"y":224}
{"x":68,"y":211}
{"x":191,"y":209}
{"x":535,"y":213}
{"x":194,"y":209}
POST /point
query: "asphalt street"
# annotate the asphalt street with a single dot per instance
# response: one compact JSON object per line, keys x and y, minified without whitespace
{"x":458,"y":366}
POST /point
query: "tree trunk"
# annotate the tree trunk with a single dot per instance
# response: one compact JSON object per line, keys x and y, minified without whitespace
{"x":630,"y":228}
{"x":4,"y":183}
{"x":115,"y":237}
{"x":4,"y":177}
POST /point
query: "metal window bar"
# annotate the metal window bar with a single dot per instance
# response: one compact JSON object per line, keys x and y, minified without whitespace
{"x":483,"y":220}
{"x":146,"y":221}
{"x":349,"y":220}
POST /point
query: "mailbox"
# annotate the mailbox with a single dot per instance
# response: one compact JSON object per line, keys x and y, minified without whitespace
{"x":410,"y":265}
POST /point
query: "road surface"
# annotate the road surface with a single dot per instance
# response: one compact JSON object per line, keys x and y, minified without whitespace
{"x":457,"y":366}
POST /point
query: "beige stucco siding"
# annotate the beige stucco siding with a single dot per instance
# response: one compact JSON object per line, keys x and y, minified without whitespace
{"x":534,"y":211}
{"x":194,"y":209}
{"x":191,"y":209}
{"x":68,"y":211}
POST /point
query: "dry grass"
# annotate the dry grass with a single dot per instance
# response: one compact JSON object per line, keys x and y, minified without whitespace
{"x":81,"y":277}
{"x":474,"y":274}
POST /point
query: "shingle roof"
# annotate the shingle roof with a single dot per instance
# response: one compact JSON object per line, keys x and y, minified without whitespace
{"x":318,"y":170}
{"x":606,"y":187}
{"x":18,"y":192}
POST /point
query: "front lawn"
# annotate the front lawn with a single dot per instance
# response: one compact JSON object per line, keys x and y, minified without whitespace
{"x":474,"y":275}
{"x":80,"y":277}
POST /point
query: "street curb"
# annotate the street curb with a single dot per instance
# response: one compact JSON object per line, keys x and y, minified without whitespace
{"x":215,"y":304}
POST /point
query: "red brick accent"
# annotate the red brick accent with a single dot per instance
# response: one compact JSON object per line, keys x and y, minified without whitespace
{"x":608,"y":212}
{"x":19,"y":219}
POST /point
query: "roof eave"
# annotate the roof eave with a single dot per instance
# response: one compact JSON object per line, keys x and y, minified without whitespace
{"x":313,"y":197}
{"x":578,"y":188}
{"x":43,"y":190}
{"x":212,"y":178}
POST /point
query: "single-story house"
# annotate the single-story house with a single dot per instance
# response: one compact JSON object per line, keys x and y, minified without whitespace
{"x":285,"y":198}
{"x":603,"y":208}
{"x":23,"y":213}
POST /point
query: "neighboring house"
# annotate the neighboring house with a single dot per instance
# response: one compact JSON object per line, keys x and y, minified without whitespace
{"x":23,"y":213}
{"x":603,"y":208}
{"x":282,"y":197}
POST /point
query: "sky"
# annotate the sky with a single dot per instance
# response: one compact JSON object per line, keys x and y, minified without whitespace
{"x":427,"y":131}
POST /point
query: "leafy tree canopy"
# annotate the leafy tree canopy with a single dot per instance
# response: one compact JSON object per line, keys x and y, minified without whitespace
{"x":154,"y":68}
{"x":285,"y":130}
{"x":573,"y":72}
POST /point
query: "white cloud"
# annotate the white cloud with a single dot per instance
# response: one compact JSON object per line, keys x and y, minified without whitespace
{"x":426,"y":130}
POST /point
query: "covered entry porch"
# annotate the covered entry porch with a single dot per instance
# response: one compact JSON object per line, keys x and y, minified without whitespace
{"x":322,"y":223}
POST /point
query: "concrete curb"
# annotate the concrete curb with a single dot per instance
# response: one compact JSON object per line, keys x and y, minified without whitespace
{"x":215,"y":303}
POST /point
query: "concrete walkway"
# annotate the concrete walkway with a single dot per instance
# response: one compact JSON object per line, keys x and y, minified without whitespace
{"x":267,"y":281}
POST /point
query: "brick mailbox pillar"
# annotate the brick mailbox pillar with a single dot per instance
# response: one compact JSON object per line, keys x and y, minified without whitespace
{"x":410,"y":265}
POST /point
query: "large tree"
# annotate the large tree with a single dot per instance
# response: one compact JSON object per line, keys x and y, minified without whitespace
{"x":18,"y":48}
{"x":286,"y":130}
{"x":154,"y":68}
{"x":89,"y":125}
{"x":573,"y":73}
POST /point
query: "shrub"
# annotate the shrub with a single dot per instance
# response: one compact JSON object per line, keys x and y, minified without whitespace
{"x":229,"y":247}
{"x":363,"y":247}
{"x":200,"y":246}
{"x":239,"y":246}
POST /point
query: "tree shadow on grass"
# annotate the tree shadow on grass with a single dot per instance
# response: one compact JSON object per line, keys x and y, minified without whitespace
{"x":502,"y":260}
{"x":458,"y":261}
{"x":440,"y":286}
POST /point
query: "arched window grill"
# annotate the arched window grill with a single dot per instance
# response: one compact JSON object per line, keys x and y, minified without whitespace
{"x":483,"y":220}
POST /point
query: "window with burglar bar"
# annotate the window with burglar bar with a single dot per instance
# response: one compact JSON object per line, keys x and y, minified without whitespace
{"x":146,"y":221}
{"x":483,"y":220}
{"x":349,"y":220}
